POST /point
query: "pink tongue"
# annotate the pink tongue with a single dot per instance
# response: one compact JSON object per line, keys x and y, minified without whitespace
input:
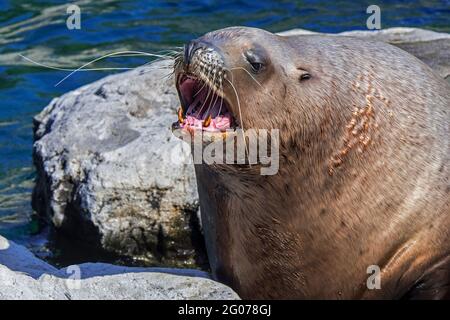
{"x":217,"y":123}
{"x":220,"y":122}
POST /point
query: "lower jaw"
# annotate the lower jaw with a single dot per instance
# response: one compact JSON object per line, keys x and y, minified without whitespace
{"x":217,"y":125}
{"x":205,"y":134}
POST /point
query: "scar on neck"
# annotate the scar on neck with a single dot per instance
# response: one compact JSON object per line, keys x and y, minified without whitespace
{"x":359,"y":131}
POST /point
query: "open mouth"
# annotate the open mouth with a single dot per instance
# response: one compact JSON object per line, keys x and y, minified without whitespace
{"x":202,"y":107}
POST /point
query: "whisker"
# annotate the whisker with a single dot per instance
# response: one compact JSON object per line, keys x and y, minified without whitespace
{"x":240,"y":116}
{"x":170,"y":74}
{"x":167,"y":76}
{"x":213,"y":102}
{"x":221,"y":100}
{"x":174,"y":57}
{"x":204,"y":84}
{"x":170,"y":51}
{"x":207,"y":95}
{"x":106,"y":56}
{"x":66,"y":69}
{"x":151,"y":68}
{"x":161,"y":67}
{"x":204,"y":103}
{"x":240,"y":68}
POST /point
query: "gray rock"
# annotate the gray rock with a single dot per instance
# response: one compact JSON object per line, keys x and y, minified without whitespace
{"x":110,"y":173}
{"x":23,"y":276}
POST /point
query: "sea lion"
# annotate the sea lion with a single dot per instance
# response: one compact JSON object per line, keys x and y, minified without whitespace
{"x":363,"y":167}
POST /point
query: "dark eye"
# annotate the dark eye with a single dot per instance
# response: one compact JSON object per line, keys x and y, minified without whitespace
{"x":305,"y":76}
{"x":256,"y":67}
{"x":255,"y":60}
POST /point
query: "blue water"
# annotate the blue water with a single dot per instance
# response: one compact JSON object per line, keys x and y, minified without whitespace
{"x":37,"y":29}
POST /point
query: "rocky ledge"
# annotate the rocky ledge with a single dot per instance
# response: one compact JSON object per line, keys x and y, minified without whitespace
{"x":23,"y":276}
{"x":110,"y":173}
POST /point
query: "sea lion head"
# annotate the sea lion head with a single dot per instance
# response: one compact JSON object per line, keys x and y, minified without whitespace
{"x":251,"y":79}
{"x":245,"y":77}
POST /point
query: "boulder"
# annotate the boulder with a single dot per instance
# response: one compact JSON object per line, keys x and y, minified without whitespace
{"x":110,"y":173}
{"x":23,"y":276}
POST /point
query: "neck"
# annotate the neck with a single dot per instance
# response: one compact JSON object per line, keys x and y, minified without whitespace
{"x":300,"y":226}
{"x":263,"y":220}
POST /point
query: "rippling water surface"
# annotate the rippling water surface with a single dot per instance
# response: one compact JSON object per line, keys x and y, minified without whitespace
{"x":37,"y":29}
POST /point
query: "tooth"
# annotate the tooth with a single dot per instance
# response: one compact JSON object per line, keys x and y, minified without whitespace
{"x":207,"y":121}
{"x":180,"y":115}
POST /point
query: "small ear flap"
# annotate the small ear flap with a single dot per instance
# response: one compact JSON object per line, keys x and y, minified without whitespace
{"x":304,"y":74}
